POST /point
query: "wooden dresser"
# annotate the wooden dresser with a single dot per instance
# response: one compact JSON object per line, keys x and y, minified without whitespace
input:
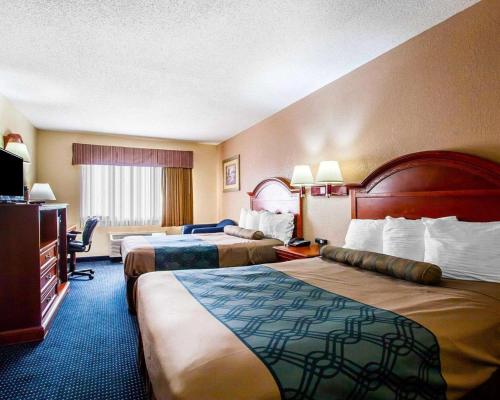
{"x":33,"y":269}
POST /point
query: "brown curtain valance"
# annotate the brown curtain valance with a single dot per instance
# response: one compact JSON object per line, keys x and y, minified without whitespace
{"x":115,"y":155}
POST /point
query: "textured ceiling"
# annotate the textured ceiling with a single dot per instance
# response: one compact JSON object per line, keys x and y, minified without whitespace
{"x":197,"y":70}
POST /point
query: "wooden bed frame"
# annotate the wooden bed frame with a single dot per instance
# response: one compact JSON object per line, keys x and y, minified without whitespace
{"x":434,"y":184}
{"x":277,"y":196}
{"x":430,"y":184}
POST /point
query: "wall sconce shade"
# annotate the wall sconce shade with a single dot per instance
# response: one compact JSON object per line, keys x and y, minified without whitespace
{"x":13,"y":142}
{"x":41,"y":192}
{"x":328,"y":175}
{"x":302,"y":176}
{"x":329,"y":172}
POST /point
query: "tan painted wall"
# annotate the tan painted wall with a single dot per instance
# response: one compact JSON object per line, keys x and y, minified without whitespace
{"x":54,"y":167}
{"x":11,"y":120}
{"x":440,"y":90}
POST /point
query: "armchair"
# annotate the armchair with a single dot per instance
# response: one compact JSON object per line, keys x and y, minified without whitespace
{"x":206,"y":228}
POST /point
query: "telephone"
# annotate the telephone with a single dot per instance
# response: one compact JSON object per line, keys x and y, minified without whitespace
{"x":298,"y":242}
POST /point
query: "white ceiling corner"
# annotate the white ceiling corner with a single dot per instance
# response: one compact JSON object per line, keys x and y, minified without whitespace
{"x":198,"y":70}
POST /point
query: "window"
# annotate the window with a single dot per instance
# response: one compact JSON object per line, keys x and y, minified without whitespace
{"x":121,"y":195}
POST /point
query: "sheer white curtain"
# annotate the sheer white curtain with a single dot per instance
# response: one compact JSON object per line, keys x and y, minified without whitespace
{"x":121,"y":195}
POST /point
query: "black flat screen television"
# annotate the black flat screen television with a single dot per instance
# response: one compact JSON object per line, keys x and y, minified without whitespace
{"x":11,"y":177}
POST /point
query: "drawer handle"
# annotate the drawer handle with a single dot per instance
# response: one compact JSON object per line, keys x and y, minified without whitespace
{"x":48,"y":277}
{"x":48,"y":299}
{"x":47,"y":256}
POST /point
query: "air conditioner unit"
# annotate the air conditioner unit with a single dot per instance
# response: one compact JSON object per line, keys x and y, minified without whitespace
{"x":115,"y":241}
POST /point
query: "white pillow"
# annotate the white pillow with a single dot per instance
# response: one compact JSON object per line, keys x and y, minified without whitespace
{"x":365,"y":234}
{"x":277,"y":226}
{"x":253,"y":220}
{"x":405,"y":238}
{"x":464,"y":250}
{"x":243,"y":218}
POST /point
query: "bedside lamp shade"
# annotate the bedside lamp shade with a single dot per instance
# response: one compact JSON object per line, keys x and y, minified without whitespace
{"x":329,"y":172}
{"x":41,"y":192}
{"x":302,"y":176}
{"x":13,"y":143}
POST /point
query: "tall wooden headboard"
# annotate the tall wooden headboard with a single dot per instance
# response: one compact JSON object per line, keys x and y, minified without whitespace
{"x":430,"y":184}
{"x":276,"y":195}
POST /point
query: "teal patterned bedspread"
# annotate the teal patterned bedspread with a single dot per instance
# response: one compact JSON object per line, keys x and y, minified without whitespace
{"x":183,"y":252}
{"x":317,"y":344}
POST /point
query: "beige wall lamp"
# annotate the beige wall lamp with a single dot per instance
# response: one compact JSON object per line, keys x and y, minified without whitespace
{"x":13,"y":142}
{"x":302,"y":177}
{"x":330,"y":178}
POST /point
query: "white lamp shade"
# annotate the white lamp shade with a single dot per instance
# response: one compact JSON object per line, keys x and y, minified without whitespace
{"x":19,"y":149}
{"x":41,"y":192}
{"x":302,"y":176}
{"x":329,"y":172}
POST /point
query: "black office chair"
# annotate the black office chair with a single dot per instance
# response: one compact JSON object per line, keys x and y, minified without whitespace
{"x":79,"y":246}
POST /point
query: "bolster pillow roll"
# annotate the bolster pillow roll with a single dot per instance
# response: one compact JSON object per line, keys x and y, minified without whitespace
{"x":237,"y":231}
{"x":401,"y":268}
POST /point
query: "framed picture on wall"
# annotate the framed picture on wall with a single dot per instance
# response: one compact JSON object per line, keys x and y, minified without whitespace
{"x":231,"y":174}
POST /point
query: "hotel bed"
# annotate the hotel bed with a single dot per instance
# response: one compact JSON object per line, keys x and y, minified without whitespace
{"x":209,"y":250}
{"x":142,"y":254}
{"x":313,"y":328}
{"x":322,"y":329}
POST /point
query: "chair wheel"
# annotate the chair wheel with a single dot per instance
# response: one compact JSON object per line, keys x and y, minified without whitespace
{"x":90,"y":277}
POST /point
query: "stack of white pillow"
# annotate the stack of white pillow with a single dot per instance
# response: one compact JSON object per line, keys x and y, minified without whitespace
{"x":277,"y":226}
{"x":463,"y":250}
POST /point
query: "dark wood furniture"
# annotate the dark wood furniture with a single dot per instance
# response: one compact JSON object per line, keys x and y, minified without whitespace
{"x":430,"y":184}
{"x":33,"y":269}
{"x":287,"y":253}
{"x":276,"y":195}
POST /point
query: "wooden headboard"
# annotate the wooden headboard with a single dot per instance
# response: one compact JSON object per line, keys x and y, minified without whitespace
{"x":276,"y":195}
{"x":430,"y":184}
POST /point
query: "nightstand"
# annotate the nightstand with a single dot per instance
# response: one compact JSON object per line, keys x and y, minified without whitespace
{"x":287,"y":253}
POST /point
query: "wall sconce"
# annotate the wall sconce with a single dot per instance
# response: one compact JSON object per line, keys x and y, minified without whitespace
{"x":329,"y":174}
{"x":302,"y":177}
{"x":13,"y":142}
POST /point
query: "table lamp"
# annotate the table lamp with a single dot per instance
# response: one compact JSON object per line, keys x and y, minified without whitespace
{"x":41,"y":192}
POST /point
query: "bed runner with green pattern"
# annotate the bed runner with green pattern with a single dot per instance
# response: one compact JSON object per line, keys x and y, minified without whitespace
{"x":185,"y":252}
{"x":319,"y":345}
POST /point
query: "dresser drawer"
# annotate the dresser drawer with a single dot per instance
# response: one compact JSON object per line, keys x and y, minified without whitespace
{"x":48,"y":254}
{"x":49,"y":295}
{"x":47,"y":273}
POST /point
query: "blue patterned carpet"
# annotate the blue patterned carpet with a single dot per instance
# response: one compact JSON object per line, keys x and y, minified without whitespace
{"x":90,"y":351}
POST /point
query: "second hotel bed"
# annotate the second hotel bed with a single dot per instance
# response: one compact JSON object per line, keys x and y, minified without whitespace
{"x":143,"y":254}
